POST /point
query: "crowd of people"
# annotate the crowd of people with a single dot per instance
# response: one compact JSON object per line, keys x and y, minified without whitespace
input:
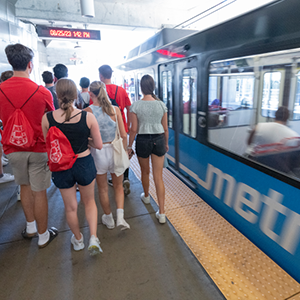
{"x":88,"y":120}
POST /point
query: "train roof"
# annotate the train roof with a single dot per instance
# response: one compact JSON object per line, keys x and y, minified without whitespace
{"x":276,"y":21}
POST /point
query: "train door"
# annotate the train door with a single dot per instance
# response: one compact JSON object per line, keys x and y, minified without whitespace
{"x":166,"y":78}
{"x":179,"y":83}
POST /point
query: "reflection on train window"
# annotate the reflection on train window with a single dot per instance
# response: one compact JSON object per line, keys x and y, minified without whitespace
{"x":270,"y":97}
{"x":296,"y":112}
{"x":243,"y":97}
{"x":139,"y":77}
{"x":167,"y":94}
{"x":189,"y":101}
{"x":130,"y":87}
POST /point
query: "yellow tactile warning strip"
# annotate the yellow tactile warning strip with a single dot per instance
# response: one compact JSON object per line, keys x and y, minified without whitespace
{"x":238,"y":267}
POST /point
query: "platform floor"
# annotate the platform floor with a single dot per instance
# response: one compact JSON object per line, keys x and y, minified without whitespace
{"x":150,"y":261}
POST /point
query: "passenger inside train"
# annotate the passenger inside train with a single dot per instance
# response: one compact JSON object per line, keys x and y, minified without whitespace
{"x":275,"y":144}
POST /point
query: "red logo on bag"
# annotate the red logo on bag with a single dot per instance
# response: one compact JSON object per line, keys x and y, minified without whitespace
{"x":18,"y":136}
{"x":55,"y":152}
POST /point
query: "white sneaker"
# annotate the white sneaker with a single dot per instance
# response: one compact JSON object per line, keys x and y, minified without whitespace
{"x":4,"y":161}
{"x":94,"y":246}
{"x":123,"y":223}
{"x":108,"y":221}
{"x":161,"y":217}
{"x":6,"y":178}
{"x":77,"y":244}
{"x":146,"y":200}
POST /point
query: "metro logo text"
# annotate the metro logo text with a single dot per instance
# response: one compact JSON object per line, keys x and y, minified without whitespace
{"x":255,"y":207}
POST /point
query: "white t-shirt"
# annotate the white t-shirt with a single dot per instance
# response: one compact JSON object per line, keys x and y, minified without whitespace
{"x":269,"y":133}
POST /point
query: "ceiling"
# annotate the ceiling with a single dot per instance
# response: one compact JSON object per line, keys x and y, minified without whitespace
{"x":132,"y":14}
{"x":137,"y":20}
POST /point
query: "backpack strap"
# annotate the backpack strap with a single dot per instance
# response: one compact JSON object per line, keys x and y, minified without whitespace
{"x":25,"y":101}
{"x":116,"y":93}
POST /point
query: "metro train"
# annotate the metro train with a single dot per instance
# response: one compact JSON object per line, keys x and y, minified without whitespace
{"x":218,"y":84}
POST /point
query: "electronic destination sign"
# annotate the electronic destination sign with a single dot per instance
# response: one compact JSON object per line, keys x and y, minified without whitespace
{"x":67,"y":33}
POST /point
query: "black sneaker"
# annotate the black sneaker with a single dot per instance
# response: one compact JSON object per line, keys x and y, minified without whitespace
{"x":53,"y":234}
{"x":109,"y":181}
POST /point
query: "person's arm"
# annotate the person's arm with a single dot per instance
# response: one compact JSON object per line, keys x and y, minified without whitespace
{"x":164,"y":122}
{"x":128,"y":117}
{"x":45,"y":125}
{"x":96,"y":141}
{"x":122,"y":130}
{"x":127,"y":106}
{"x":133,"y":132}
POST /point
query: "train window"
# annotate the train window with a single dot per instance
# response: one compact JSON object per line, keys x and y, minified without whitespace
{"x":130,"y":86}
{"x":296,"y":111}
{"x":243,"y":97}
{"x":167,"y":94}
{"x":270,"y":97}
{"x":189,"y":101}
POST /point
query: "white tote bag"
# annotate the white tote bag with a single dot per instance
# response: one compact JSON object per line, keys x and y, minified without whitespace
{"x":121,"y":160}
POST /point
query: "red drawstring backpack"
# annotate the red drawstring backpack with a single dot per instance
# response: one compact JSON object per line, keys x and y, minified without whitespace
{"x":60,"y":152}
{"x":18,"y":132}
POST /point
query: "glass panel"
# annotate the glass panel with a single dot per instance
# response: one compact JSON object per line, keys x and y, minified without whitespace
{"x":296,"y":112}
{"x":130,"y":87}
{"x":271,"y":88}
{"x":167,"y":94}
{"x":233,"y":84}
{"x":189,"y":100}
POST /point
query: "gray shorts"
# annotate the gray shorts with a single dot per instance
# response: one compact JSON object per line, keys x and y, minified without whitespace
{"x":30,"y":168}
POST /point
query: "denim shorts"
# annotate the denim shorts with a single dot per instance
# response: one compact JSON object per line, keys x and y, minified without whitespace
{"x":83,"y":172}
{"x":147,"y":144}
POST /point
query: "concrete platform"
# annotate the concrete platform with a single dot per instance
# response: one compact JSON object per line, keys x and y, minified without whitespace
{"x":150,"y":261}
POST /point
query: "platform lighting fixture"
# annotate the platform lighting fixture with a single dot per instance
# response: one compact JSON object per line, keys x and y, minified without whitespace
{"x":87,"y":8}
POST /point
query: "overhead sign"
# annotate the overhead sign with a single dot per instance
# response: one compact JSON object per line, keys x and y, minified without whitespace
{"x":67,"y":33}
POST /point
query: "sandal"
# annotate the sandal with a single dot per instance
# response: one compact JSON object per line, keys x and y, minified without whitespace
{"x":26,"y":235}
{"x":53,"y":234}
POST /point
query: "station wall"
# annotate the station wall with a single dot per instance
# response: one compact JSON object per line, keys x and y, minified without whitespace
{"x":12,"y":31}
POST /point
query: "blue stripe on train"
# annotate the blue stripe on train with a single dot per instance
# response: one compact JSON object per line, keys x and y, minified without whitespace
{"x":264,"y":209}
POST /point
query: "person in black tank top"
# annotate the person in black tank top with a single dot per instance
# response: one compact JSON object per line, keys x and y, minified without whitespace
{"x":78,"y":126}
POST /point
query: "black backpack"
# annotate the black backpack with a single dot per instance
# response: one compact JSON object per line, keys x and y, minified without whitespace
{"x":113,"y":101}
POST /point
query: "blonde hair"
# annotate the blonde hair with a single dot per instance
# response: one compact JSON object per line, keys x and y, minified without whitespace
{"x":99,"y":90}
{"x":66,"y":91}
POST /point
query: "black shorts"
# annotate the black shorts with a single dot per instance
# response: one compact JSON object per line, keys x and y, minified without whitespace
{"x":147,"y":144}
{"x":83,"y":172}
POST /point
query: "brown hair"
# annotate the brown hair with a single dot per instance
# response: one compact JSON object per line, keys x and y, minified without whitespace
{"x":148,"y":86}
{"x":6,"y":75}
{"x":99,"y":90}
{"x":66,"y":91}
{"x":282,"y":114}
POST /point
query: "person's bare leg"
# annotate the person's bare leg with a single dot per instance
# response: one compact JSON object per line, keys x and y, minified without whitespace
{"x":87,"y":194}
{"x":119,"y":198}
{"x":145,"y":171}
{"x":40,"y":210}
{"x":119,"y":191}
{"x":157,"y":170}
{"x":70,"y":201}
{"x":27,"y":202}
{"x":103,"y":193}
